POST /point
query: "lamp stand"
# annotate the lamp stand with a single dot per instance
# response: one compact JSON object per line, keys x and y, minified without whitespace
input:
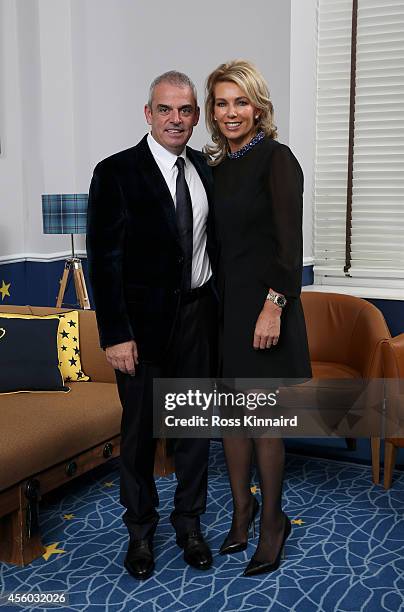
{"x":73,"y":265}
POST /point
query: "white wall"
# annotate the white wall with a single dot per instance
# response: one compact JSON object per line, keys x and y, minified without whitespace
{"x":76,"y":77}
{"x":12,"y":238}
{"x":127,"y":48}
{"x":303,"y":28}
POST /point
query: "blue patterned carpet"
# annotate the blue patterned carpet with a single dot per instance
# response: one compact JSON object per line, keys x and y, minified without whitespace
{"x":345,"y":554}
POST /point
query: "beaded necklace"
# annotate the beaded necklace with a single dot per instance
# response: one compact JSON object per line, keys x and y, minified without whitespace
{"x":247,"y":147}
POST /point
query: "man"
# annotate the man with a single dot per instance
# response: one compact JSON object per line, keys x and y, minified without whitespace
{"x":149,"y":250}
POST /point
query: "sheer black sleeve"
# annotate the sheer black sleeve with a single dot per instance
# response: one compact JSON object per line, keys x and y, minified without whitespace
{"x":286,"y":194}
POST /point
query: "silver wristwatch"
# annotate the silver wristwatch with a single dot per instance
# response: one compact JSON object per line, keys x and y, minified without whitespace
{"x":279,"y":300}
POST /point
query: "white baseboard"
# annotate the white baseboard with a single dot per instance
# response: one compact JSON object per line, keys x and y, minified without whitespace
{"x":47,"y":257}
{"x":40,"y":257}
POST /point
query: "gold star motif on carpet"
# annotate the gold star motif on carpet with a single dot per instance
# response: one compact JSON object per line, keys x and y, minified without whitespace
{"x":4,"y":290}
{"x":254,"y":489}
{"x":52,"y":549}
{"x":68,"y":517}
{"x":297,"y":522}
{"x":108,"y":484}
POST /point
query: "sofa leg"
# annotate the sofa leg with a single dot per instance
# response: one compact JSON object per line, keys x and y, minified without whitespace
{"x":15,"y":544}
{"x":163,"y":460}
{"x":375,"y":445}
{"x":389,"y":462}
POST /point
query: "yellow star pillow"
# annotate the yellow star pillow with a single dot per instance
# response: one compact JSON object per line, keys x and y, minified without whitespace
{"x":68,"y":343}
{"x":69,"y":347}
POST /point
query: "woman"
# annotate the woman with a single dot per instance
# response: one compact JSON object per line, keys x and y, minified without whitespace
{"x":258,"y":187}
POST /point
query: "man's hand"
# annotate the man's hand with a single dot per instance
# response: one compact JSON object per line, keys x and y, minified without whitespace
{"x":123,"y":356}
{"x":268,"y":326}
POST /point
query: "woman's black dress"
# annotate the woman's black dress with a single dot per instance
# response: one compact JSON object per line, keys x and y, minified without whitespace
{"x":258,"y":215}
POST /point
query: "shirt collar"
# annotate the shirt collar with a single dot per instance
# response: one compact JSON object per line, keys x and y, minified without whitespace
{"x":166,"y":158}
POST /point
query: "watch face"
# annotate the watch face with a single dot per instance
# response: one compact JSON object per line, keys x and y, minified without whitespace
{"x":281,"y":301}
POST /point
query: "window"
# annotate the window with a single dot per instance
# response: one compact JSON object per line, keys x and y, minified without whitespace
{"x":359,"y":171}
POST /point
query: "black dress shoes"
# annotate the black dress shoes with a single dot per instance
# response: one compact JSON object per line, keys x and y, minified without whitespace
{"x":231,"y":546}
{"x":139,"y":559}
{"x":196,"y":551}
{"x":265,"y":567}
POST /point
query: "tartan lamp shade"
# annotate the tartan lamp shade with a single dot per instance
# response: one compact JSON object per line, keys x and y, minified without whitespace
{"x":64,"y":213}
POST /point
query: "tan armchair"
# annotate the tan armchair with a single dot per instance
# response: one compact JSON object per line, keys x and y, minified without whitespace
{"x":345,"y":336}
{"x":393,"y":359}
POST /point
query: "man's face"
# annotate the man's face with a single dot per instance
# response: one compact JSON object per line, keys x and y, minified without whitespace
{"x":172,"y":116}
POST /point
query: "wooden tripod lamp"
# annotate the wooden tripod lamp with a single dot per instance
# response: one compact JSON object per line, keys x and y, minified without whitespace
{"x":66,"y":213}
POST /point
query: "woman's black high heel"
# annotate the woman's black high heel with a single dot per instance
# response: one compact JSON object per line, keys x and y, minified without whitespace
{"x":262,"y":567}
{"x":228,"y":547}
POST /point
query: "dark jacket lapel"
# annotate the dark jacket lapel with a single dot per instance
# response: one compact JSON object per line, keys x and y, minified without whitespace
{"x":157,"y":184}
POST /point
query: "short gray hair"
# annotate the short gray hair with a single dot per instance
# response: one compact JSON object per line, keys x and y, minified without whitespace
{"x":173,"y":77}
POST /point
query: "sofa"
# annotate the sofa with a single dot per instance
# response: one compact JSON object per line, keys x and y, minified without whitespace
{"x":48,"y":439}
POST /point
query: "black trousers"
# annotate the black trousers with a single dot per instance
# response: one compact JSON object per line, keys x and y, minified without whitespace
{"x":192,"y":354}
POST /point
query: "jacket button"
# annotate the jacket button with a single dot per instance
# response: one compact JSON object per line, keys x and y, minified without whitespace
{"x":177,"y":291}
{"x":180,"y":259}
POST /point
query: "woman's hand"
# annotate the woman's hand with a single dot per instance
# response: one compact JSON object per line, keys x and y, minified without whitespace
{"x":268,"y":326}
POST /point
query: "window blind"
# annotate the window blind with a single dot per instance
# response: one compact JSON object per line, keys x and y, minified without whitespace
{"x":378,"y":173}
{"x":376,"y":227}
{"x":332,"y":131}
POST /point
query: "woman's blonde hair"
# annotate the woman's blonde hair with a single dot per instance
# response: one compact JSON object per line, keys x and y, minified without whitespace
{"x":250,"y":80}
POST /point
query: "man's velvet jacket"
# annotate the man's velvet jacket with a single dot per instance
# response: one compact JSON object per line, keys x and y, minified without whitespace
{"x":134,"y":255}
